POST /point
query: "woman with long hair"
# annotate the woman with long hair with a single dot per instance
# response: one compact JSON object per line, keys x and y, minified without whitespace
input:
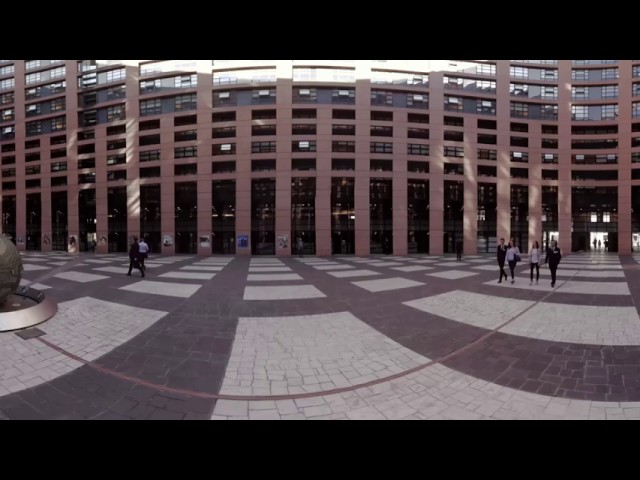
{"x":534,"y":261}
{"x":513,"y":255}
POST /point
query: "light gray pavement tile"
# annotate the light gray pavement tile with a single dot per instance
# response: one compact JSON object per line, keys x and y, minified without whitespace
{"x":182,"y":290}
{"x":353,"y":273}
{"x":28,"y":267}
{"x":230,"y":408}
{"x":203,"y":268}
{"x":268,"y":269}
{"x":584,"y":324}
{"x":477,"y":309}
{"x":118,"y":270}
{"x":452,"y":274}
{"x":412,"y":268}
{"x":365,"y":413}
{"x":80,"y":277}
{"x":384,"y":264}
{"x":89,"y":327}
{"x":288,"y":292}
{"x":385,"y":284}
{"x":272,"y":277}
{"x":333,"y":267}
{"x":297,"y":346}
{"x":452,"y":264}
{"x":188,"y":275}
{"x":264,"y":415}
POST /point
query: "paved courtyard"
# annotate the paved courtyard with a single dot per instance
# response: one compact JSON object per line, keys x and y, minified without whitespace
{"x":414,"y":337}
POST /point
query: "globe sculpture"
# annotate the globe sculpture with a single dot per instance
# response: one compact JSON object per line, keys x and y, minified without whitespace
{"x":10,"y":268}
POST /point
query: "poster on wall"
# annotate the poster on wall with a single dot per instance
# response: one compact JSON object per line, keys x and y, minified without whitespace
{"x":204,"y":241}
{"x":283,"y":241}
{"x":73,"y":244}
{"x":243,"y":241}
{"x":46,"y":240}
{"x":167,"y":240}
{"x":102,"y":240}
{"x":20,"y":240}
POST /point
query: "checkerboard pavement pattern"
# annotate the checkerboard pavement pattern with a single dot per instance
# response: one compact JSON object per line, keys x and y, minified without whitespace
{"x":388,"y":337}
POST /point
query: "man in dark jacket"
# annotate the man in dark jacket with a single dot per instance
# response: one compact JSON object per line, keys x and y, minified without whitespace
{"x":134,"y":254}
{"x":553,"y":259}
{"x":502,"y":254}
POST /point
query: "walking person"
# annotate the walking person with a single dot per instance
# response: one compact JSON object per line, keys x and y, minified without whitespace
{"x":595,"y":243}
{"x":143,"y":248}
{"x":513,"y":257}
{"x":534,"y":261}
{"x":300,"y":246}
{"x":599,"y":245}
{"x":134,"y":255}
{"x":502,"y":254}
{"x":459,"y":250}
{"x":553,"y":259}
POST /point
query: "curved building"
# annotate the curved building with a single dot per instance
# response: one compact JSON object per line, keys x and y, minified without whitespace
{"x":350,"y":157}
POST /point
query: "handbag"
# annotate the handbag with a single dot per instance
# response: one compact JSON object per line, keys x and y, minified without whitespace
{"x":516,"y":257}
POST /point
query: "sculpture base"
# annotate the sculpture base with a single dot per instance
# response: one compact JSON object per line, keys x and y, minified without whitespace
{"x":25,"y":308}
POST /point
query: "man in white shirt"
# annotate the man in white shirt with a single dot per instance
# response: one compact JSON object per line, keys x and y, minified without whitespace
{"x":144,"y":252}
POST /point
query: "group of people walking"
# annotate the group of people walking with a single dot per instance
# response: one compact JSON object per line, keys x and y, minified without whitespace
{"x":511,"y":255}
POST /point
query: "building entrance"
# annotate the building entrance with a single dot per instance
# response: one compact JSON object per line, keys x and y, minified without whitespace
{"x":598,"y":241}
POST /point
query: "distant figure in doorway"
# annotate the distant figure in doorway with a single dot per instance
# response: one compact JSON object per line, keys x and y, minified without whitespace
{"x":143,"y":248}
{"x":513,"y":256}
{"x":595,"y":243}
{"x":599,"y":244}
{"x":606,"y":245}
{"x":553,"y":259}
{"x":534,"y":261}
{"x":300,"y":246}
{"x":134,"y":257}
{"x":459,"y":250}
{"x":386,"y":245}
{"x":502,"y":254}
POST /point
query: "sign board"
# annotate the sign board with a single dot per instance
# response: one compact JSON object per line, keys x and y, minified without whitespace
{"x":282,"y":241}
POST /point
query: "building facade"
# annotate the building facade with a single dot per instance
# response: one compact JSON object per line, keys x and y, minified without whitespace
{"x":344,"y":157}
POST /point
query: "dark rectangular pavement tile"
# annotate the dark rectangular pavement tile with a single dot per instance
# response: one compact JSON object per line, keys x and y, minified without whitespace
{"x":122,"y":406}
{"x":516,"y":383}
{"x":23,"y":412}
{"x":30,"y":333}
{"x":531,"y":385}
{"x":111,"y":416}
{"x":158,"y":401}
{"x":595,"y":372}
{"x":593,"y":380}
{"x":568,"y":383}
{"x":141,"y":412}
{"x":178,"y":406}
{"x":552,"y":379}
{"x":547,"y":389}
{"x":199,"y":405}
{"x":165,"y":415}
{"x":552,"y":370}
{"x":197,"y":416}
